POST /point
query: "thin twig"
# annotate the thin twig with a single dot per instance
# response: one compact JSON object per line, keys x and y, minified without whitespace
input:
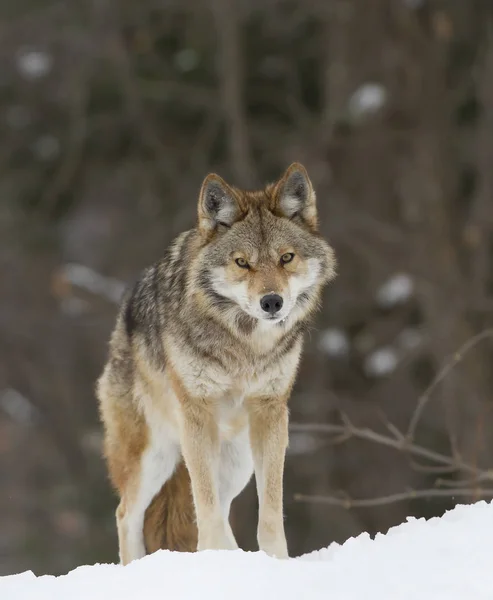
{"x":418,"y":467}
{"x":403,"y":445}
{"x":484,"y":476}
{"x":391,"y":498}
{"x":458,"y":356}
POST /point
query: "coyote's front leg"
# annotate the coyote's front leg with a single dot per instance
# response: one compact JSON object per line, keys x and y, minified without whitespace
{"x":201,"y":450}
{"x":269,"y":440}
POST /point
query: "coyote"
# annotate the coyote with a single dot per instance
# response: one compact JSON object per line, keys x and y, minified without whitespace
{"x":202,"y":360}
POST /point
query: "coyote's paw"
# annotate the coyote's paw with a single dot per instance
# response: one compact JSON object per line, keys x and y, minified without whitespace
{"x":218,"y":541}
{"x":272,"y":544}
{"x":276,"y":551}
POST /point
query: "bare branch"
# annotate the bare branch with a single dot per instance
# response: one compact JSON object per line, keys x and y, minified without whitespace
{"x":392,"y":498}
{"x":400,"y":444}
{"x":458,"y":356}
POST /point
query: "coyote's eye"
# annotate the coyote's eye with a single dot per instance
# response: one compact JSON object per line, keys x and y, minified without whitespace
{"x":287,"y":258}
{"x":241,"y":262}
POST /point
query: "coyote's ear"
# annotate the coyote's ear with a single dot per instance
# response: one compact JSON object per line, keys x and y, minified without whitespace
{"x":295,"y":197}
{"x":218,"y":204}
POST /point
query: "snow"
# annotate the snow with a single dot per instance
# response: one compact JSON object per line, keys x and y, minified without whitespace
{"x":447,"y":558}
{"x":381,"y":362}
{"x":86,"y":278}
{"x":334,"y":342}
{"x":367,"y":99}
{"x":396,"y":290}
{"x":34,"y":64}
{"x":17,"y":406}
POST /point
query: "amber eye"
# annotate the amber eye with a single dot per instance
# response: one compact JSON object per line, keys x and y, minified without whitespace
{"x":287,"y":258}
{"x":241,"y":262}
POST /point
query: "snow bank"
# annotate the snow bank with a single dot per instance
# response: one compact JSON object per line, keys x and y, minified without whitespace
{"x":448,"y":558}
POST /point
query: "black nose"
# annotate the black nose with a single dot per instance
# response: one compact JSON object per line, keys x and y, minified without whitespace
{"x":271,"y":303}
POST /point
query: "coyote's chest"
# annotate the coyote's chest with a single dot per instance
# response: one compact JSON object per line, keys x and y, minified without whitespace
{"x":231,"y":406}
{"x":243,"y":380}
{"x":228,"y":385}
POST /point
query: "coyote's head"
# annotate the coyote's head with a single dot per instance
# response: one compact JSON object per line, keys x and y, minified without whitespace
{"x":262,"y":253}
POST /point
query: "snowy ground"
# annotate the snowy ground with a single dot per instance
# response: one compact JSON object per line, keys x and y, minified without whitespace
{"x":449,"y":558}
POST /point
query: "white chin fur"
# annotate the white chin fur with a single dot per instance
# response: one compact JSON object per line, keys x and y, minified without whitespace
{"x":239,"y":293}
{"x":261,"y":316}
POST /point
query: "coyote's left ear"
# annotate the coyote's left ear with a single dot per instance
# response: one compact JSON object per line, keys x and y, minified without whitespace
{"x":218,"y":204}
{"x":295,"y":197}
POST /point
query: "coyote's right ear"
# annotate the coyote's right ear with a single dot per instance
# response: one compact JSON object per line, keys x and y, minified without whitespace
{"x":295,"y":197}
{"x":218,"y":204}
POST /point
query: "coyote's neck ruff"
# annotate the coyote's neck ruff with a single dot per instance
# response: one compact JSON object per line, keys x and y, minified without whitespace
{"x":202,"y":361}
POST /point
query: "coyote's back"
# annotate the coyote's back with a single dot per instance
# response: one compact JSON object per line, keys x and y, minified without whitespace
{"x":202,"y":360}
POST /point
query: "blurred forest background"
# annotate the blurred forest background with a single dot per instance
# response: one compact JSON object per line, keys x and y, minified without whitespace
{"x":111,"y":114}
